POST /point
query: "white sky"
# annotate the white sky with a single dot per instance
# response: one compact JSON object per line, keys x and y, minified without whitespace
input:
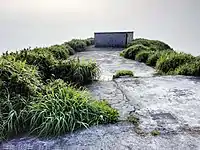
{"x":33,"y":23}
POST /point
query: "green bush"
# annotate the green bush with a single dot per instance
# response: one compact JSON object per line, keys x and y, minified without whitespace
{"x":143,"y":56}
{"x":153,"y":44}
{"x":153,"y":58}
{"x":89,"y":41}
{"x":170,"y":61}
{"x":18,"y":82}
{"x":189,"y":69}
{"x":18,"y":77}
{"x":43,"y":61}
{"x":12,"y":114}
{"x":71,"y":51}
{"x":132,"y":51}
{"x":65,"y":109}
{"x":76,"y":71}
{"x":78,"y":45}
{"x":59,"y":52}
{"x":123,"y":73}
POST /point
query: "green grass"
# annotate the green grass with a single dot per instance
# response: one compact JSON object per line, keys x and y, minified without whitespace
{"x":76,"y":71}
{"x":17,"y":77}
{"x":34,"y":99}
{"x":143,"y":56}
{"x":65,"y":109}
{"x":154,"y":56}
{"x":152,"y":44}
{"x":121,"y":73}
{"x":155,"y":133}
{"x":132,"y":51}
{"x":133,"y":119}
{"x":189,"y":69}
{"x":78,"y":45}
{"x":161,"y":56}
{"x":170,"y":61}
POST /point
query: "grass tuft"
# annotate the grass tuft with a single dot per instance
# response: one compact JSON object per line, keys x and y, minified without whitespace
{"x":133,"y":119}
{"x":65,"y":109}
{"x":121,"y":73}
{"x":155,"y":133}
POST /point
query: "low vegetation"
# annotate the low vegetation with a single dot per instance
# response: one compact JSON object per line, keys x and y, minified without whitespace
{"x":168,"y":62}
{"x":76,"y":71}
{"x":161,"y":56}
{"x":155,"y":133}
{"x":65,"y":109}
{"x":121,"y":73}
{"x":133,"y":119}
{"x":38,"y":95}
{"x":143,"y":56}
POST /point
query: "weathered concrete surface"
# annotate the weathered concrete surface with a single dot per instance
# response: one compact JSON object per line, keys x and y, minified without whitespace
{"x":110,"y":61}
{"x":168,"y":104}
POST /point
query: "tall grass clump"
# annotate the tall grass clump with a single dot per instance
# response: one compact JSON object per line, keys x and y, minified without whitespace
{"x":78,"y":45}
{"x":189,"y":69}
{"x":71,"y":51}
{"x":18,"y":77}
{"x":154,"y":44}
{"x":145,"y":45}
{"x":132,"y":51}
{"x":76,"y":71}
{"x":152,"y":59}
{"x":143,"y":56}
{"x":43,"y":61}
{"x":89,"y":41}
{"x":161,"y":56}
{"x":65,"y":109}
{"x":18,"y":82}
{"x":59,"y":52}
{"x":33,"y":101}
{"x":170,"y":61}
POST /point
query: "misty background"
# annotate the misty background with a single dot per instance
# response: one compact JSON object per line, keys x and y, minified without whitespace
{"x":34,"y":23}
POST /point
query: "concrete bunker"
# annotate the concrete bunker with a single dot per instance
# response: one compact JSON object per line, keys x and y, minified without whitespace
{"x":112,"y":39}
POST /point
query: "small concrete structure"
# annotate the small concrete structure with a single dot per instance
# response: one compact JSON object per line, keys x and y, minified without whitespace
{"x":112,"y":39}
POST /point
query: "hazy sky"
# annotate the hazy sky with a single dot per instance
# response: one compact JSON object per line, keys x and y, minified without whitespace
{"x":33,"y":23}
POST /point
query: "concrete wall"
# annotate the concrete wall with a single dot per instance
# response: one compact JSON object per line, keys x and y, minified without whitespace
{"x":129,"y":37}
{"x":110,"y":39}
{"x":113,"y":39}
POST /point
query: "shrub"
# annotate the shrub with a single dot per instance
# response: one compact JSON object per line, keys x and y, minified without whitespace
{"x":18,"y":77}
{"x":71,"y":51}
{"x":89,"y":41}
{"x":78,"y":45}
{"x":132,"y":51}
{"x":43,"y":61}
{"x":143,"y":56}
{"x":12,"y":112}
{"x":189,"y":69}
{"x":65,"y":109}
{"x":60,"y":52}
{"x":123,"y":73}
{"x":170,"y":61}
{"x":153,"y":44}
{"x":76,"y":71}
{"x":152,"y":59}
{"x":18,"y":82}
